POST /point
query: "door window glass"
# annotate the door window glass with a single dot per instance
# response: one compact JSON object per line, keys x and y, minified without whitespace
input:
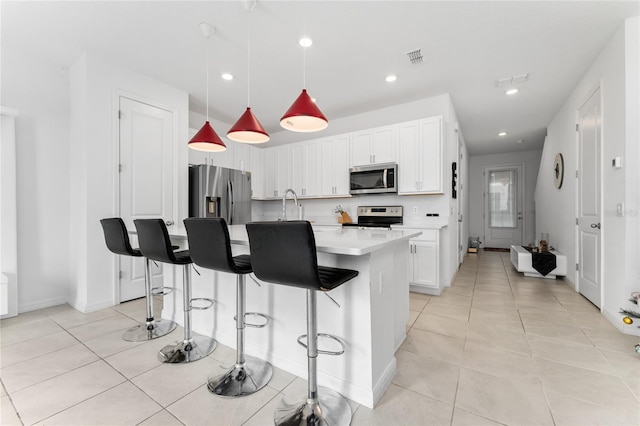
{"x":502,"y":199}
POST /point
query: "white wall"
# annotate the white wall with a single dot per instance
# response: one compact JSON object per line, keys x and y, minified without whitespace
{"x":616,"y":72}
{"x":531,"y":161}
{"x":39,"y":90}
{"x":95,"y":85}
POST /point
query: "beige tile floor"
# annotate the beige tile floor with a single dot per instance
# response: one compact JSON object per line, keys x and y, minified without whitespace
{"x":494,"y":348}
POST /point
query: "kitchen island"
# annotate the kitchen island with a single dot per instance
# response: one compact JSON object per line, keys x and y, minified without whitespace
{"x":371,"y":318}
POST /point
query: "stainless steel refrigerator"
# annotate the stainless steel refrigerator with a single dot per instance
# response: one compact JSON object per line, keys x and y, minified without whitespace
{"x":220,"y":192}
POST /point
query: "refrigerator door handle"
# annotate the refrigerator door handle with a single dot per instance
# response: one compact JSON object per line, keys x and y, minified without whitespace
{"x":230,"y":202}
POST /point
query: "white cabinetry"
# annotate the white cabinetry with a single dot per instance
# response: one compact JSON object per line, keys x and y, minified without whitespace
{"x":249,"y":158}
{"x":305,"y":168}
{"x":223,"y":159}
{"x":257,"y":172}
{"x":374,"y":146}
{"x":420,"y":157}
{"x":335,"y":166}
{"x":276,"y":165}
{"x":424,"y":262}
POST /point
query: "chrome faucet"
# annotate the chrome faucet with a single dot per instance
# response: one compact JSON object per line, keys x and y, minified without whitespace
{"x":284,"y":202}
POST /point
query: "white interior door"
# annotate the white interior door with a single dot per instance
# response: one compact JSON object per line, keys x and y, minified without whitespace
{"x":146,"y":181}
{"x":503,"y":199}
{"x":589,"y":202}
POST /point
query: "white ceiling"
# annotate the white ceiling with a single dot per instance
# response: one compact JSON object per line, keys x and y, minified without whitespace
{"x":467,"y":46}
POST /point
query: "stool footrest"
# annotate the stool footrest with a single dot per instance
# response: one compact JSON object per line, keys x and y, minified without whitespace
{"x":255,"y":314}
{"x":209,"y":303}
{"x":156,"y":291}
{"x":323,"y":352}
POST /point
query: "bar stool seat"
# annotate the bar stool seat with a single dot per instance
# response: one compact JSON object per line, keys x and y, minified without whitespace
{"x":155,"y":244}
{"x":117,"y":240}
{"x":285,"y":253}
{"x":210,"y":248}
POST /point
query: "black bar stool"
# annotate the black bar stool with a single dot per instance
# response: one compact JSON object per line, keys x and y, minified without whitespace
{"x":117,"y":239}
{"x":210,"y":248}
{"x":155,"y":244}
{"x":285,"y":253}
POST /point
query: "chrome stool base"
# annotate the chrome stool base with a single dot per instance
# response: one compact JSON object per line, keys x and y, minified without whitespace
{"x":149,"y":330}
{"x":330,"y":408}
{"x":186,"y":351}
{"x":242,"y":380}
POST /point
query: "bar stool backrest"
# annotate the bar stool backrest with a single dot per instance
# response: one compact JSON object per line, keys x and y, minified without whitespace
{"x":154,"y":241}
{"x":210,"y":244}
{"x":284,"y":253}
{"x":117,"y":238}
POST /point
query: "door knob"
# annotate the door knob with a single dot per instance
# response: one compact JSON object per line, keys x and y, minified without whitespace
{"x":595,"y":225}
{"x":169,"y":222}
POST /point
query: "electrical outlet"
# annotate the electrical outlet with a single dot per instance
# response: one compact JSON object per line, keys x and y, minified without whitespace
{"x":415,"y":209}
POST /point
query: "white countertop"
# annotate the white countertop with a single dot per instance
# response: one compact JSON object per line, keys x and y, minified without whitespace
{"x":348,"y":241}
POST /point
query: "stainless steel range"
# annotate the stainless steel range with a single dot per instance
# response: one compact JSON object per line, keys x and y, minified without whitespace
{"x":377,"y":217}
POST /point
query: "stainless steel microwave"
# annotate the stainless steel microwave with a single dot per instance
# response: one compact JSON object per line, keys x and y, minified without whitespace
{"x":374,"y":179}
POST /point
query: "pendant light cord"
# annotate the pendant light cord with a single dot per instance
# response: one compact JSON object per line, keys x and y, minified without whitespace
{"x":304,"y":51}
{"x":249,"y":59}
{"x":206,"y":48}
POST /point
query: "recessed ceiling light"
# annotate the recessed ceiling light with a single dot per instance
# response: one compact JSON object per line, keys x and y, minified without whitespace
{"x":390,"y":78}
{"x":502,"y":134}
{"x":512,"y":91}
{"x":305,"y":42}
{"x":227,"y":76}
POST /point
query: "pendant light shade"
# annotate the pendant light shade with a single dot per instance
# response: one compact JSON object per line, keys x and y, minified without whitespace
{"x":207,"y":140}
{"x":304,"y":116}
{"x":248,"y":129}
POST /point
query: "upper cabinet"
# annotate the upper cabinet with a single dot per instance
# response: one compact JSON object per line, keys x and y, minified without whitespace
{"x":277,"y":161}
{"x":335,"y":166}
{"x":420,"y":157}
{"x":305,"y":168}
{"x":374,"y":146}
{"x":257,"y":172}
{"x":250,"y":159}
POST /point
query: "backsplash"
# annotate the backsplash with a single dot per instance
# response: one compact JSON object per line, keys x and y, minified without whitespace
{"x":322,"y":211}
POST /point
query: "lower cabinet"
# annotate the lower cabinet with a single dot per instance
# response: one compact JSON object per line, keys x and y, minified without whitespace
{"x":424,"y":262}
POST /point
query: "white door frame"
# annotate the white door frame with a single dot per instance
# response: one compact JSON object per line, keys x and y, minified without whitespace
{"x":520,"y":199}
{"x":577,"y":197}
{"x":115,"y":161}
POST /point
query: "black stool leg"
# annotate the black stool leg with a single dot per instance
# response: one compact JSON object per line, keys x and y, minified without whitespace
{"x":327,"y":407}
{"x":152,"y":328}
{"x":249,"y":374}
{"x":192,"y":348}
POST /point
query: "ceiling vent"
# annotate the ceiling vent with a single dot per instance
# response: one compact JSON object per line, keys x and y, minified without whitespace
{"x":515,"y":79}
{"x":415,"y":57}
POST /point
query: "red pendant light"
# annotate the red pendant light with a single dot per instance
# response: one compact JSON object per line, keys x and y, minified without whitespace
{"x":304,"y":115}
{"x":207,"y":139}
{"x":248,"y":129}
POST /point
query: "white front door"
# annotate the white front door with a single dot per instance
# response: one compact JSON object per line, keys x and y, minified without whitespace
{"x":589,"y":219}
{"x":503,"y":200}
{"x":146,"y":181}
